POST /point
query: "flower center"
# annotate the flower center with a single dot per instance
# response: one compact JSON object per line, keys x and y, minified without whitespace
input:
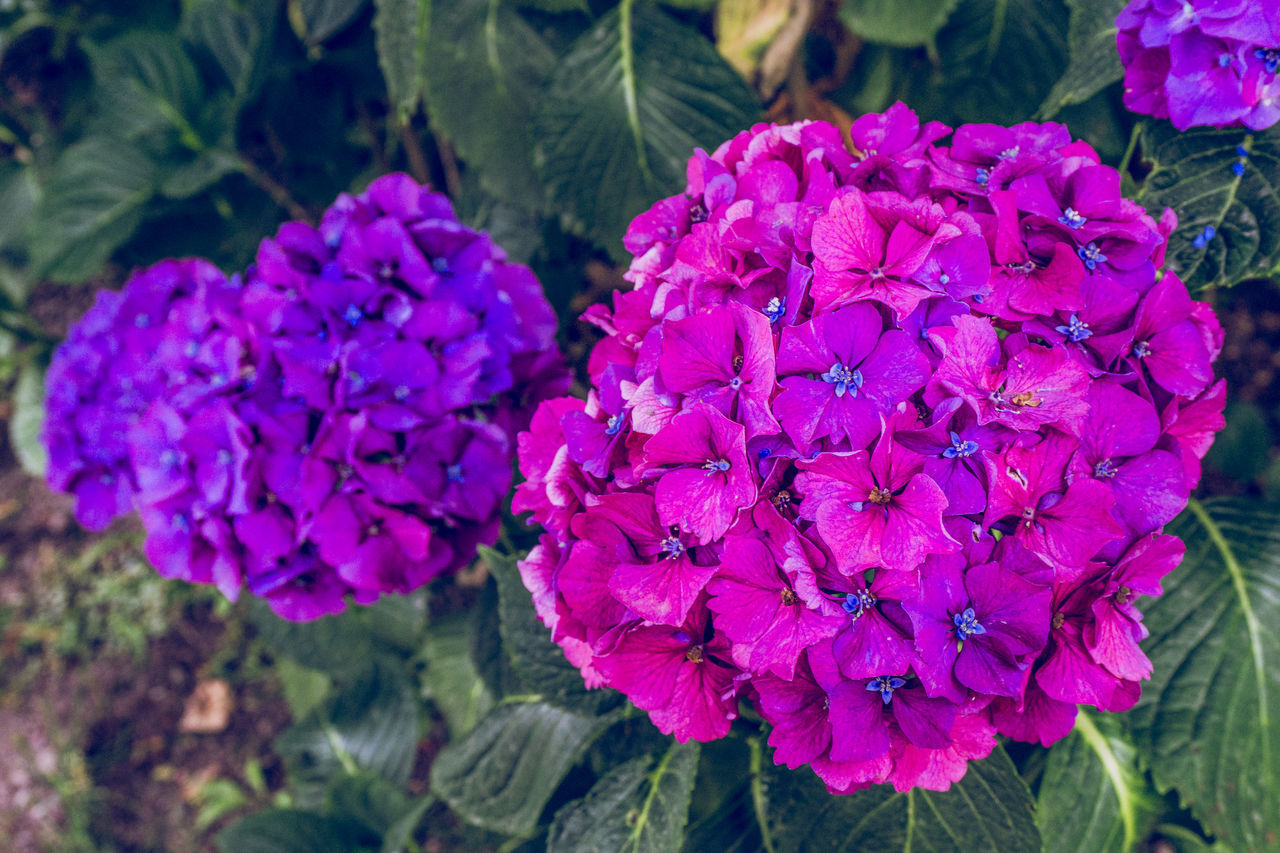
{"x":673,"y":546}
{"x":401,"y":393}
{"x":782,"y":499}
{"x":454,"y":473}
{"x":1122,"y":594}
{"x":879,"y":496}
{"x":885,"y":685}
{"x":1270,"y":58}
{"x":1009,"y":153}
{"x":857,"y":603}
{"x":1026,"y":398}
{"x":353,"y":315}
{"x":844,"y":378}
{"x":960,"y":448}
{"x":1076,"y":330}
{"x":967,"y":624}
{"x":711,"y":466}
{"x":1071,"y":219}
{"x":1104,"y":469}
{"x":1058,"y":619}
{"x":612,"y":425}
{"x":1141,"y":349}
{"x":774,"y":309}
{"x":982,"y":176}
{"x":788,"y":597}
{"x":1092,"y":256}
{"x":694,"y":655}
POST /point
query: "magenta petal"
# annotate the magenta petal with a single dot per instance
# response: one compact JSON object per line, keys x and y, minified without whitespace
{"x":662,"y":591}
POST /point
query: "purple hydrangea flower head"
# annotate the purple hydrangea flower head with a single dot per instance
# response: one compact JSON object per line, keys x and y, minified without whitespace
{"x":339,"y":426}
{"x":880,"y":440}
{"x":1202,"y":62}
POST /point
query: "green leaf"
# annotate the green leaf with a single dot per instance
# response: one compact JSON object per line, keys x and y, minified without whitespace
{"x":1191,"y":171}
{"x":559,"y":6}
{"x":92,"y":203}
{"x":451,"y":680}
{"x":1093,"y":797}
{"x":1094,"y":61}
{"x":501,"y":775}
{"x":320,"y":20}
{"x":238,"y":39}
{"x":147,"y":83}
{"x":539,"y":662}
{"x":1242,"y":450}
{"x":623,"y":113}
{"x":19,"y":192}
{"x":369,"y":799}
{"x":27,"y":421}
{"x":304,"y":688}
{"x":901,"y":23}
{"x":998,"y":61}
{"x":989,"y":809}
{"x":401,"y":832}
{"x":635,"y":807}
{"x":339,"y":644}
{"x":290,"y":831}
{"x":190,"y":179}
{"x":372,"y":724}
{"x":485,"y":68}
{"x":400,"y":35}
{"x":1208,"y":722}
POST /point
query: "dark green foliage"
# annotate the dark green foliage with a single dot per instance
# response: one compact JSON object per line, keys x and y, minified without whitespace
{"x":290,"y":831}
{"x":1208,"y":722}
{"x":1091,"y":40}
{"x":892,"y":22}
{"x":1191,"y":172}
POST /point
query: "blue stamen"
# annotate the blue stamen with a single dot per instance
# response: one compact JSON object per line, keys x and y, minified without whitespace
{"x":1242,"y":151}
{"x":1203,"y":238}
{"x":1071,"y":219}
{"x":1224,"y":59}
{"x":673,"y":546}
{"x":1237,"y":168}
{"x":1092,"y":256}
{"x":401,"y":392}
{"x":1076,"y":330}
{"x":613,"y":425}
{"x":454,"y":473}
{"x":960,"y":448}
{"x":353,"y":315}
{"x":441,"y":266}
{"x":843,"y":378}
{"x":169,"y":459}
{"x":982,"y":177}
{"x":763,"y":453}
{"x":856,"y":603}
{"x":191,"y":350}
{"x":1141,"y":349}
{"x":774,"y":309}
{"x":885,"y":685}
{"x":711,"y":466}
{"x":1270,"y":58}
{"x":1009,"y":153}
{"x":1104,"y":469}
{"x":967,"y":624}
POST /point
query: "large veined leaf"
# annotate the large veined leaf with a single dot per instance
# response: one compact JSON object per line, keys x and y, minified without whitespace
{"x":989,"y":809}
{"x":372,"y":724}
{"x":501,"y":775}
{"x":485,"y":67}
{"x":1208,"y":722}
{"x":1195,"y":172}
{"x":92,"y":203}
{"x":291,"y":831}
{"x":636,"y":807}
{"x":27,"y":421}
{"x":902,"y":23}
{"x":539,"y":663}
{"x":238,"y":38}
{"x":19,"y":192}
{"x":1093,"y":798}
{"x":998,"y":59}
{"x":400,"y":35}
{"x":1094,"y":61}
{"x":451,"y":681}
{"x":623,"y":113}
{"x":147,"y":84}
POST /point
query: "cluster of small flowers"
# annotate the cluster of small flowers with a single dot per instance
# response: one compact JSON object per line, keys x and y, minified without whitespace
{"x":880,"y":441}
{"x":1202,"y":62}
{"x":338,"y":423}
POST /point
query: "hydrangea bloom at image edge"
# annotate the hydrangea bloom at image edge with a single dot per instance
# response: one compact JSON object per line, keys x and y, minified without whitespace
{"x":881,"y":442}
{"x":374,"y":377}
{"x":1202,"y":62}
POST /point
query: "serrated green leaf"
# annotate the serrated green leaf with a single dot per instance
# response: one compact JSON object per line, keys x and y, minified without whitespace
{"x":19,"y":192}
{"x":451,"y":681}
{"x":339,"y":644}
{"x":623,"y":113}
{"x":400,"y":35}
{"x":501,"y":775}
{"x":146,"y":83}
{"x":92,"y":203}
{"x":901,"y":23}
{"x":485,"y":68}
{"x":193,"y":178}
{"x":27,"y":421}
{"x":1093,"y":798}
{"x":369,"y":799}
{"x":1191,"y":171}
{"x":371,"y":724}
{"x":291,"y":831}
{"x":998,"y":59}
{"x":1208,"y":722}
{"x":1094,"y":61}
{"x":989,"y":809}
{"x":538,"y":662}
{"x":322,"y":19}
{"x":635,"y":807}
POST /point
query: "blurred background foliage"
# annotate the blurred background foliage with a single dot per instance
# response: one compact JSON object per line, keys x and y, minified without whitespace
{"x":133,"y":130}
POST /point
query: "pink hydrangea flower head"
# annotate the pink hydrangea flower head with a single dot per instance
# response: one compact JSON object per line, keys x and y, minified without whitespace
{"x":881,"y":440}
